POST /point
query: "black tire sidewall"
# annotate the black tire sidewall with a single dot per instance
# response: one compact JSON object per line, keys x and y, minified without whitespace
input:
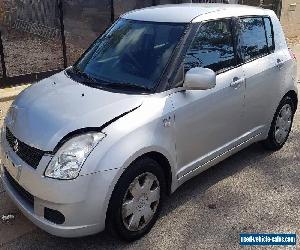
{"x":114,"y":218}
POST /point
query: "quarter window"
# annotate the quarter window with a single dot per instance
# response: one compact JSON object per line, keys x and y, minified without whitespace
{"x":253,"y":38}
{"x":212,"y":47}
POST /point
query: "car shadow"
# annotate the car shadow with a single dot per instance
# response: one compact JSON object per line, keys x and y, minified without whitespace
{"x":218,"y":172}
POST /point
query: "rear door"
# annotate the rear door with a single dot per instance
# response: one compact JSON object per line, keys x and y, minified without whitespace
{"x":262,"y":69}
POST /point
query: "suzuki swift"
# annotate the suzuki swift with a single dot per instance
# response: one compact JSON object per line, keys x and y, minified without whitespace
{"x":165,"y":93}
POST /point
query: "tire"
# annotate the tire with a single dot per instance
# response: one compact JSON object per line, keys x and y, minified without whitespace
{"x":274,"y":141}
{"x":135,"y":187}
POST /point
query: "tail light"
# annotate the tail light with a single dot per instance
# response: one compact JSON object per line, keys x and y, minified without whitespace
{"x":293,"y":55}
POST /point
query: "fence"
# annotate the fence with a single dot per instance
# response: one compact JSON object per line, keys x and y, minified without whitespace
{"x":41,"y":37}
{"x":32,"y":40}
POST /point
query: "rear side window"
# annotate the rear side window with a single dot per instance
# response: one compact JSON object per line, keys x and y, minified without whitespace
{"x":212,"y":47}
{"x":269,"y":34}
{"x":253,"y":38}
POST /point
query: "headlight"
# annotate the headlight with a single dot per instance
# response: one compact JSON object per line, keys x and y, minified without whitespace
{"x":68,"y":160}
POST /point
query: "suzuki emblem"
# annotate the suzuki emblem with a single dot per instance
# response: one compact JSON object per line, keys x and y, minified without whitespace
{"x":16,"y":146}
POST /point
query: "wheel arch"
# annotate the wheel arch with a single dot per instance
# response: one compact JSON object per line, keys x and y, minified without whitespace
{"x":163,"y":161}
{"x":293,"y":95}
{"x":161,"y":158}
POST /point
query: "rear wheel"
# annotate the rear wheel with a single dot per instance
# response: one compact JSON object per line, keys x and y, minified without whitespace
{"x":136,"y":201}
{"x":281,"y":125}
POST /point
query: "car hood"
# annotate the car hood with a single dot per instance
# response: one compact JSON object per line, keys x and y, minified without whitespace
{"x":49,"y":110}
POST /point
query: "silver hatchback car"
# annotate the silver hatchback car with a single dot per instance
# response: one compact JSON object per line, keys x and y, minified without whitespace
{"x":165,"y":93}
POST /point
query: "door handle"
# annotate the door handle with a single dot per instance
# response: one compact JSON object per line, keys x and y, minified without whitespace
{"x":237,"y":82}
{"x":279,"y":64}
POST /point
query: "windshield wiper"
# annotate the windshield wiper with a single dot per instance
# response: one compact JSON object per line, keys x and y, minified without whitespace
{"x":90,"y":79}
{"x":96,"y":83}
{"x":125,"y":85}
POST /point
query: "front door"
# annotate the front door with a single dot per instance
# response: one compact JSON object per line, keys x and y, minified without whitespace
{"x":208,"y":122}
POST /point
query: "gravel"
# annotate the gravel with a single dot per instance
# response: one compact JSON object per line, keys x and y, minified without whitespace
{"x":27,"y":53}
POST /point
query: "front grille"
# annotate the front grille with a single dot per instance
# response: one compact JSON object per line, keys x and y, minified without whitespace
{"x":32,"y":156}
{"x":21,"y":191}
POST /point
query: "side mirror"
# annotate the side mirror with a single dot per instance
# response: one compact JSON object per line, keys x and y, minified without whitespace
{"x":200,"y":79}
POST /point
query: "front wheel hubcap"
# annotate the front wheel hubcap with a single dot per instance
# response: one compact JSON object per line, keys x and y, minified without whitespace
{"x":283,"y":123}
{"x":140,"y":201}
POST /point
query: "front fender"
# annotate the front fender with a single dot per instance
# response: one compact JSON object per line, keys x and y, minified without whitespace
{"x":129,"y":138}
{"x":139,"y":132}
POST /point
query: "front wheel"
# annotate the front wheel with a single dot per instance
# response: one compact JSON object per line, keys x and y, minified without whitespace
{"x":136,"y":200}
{"x":281,"y":125}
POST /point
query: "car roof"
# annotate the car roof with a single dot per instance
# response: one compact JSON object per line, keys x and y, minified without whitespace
{"x":191,"y":12}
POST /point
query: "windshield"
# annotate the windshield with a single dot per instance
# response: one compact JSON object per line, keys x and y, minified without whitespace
{"x":132,"y":54}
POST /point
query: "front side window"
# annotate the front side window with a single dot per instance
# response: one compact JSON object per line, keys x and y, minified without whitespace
{"x":253,"y":38}
{"x":212,"y":47}
{"x":130,"y":55}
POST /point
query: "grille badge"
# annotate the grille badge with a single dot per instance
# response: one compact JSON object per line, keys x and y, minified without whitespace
{"x":32,"y":156}
{"x":16,"y":146}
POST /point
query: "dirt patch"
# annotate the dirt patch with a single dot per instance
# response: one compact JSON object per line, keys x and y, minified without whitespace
{"x":27,"y":53}
{"x":4,"y":106}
